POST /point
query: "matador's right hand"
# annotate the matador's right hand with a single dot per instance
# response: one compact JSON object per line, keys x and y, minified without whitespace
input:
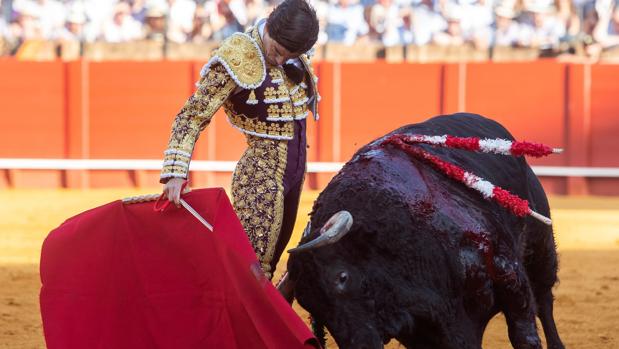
{"x":172,"y":190}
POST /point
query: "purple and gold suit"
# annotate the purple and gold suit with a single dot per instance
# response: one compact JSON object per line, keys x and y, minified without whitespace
{"x":270,"y":109}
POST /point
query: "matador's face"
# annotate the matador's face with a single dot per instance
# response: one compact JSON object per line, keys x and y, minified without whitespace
{"x":275,"y":54}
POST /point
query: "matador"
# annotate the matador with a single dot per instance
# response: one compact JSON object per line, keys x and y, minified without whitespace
{"x":267,"y":89}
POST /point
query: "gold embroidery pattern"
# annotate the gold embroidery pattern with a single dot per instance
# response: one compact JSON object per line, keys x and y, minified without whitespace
{"x":277,"y":77}
{"x":214,"y":88}
{"x":258,"y":195}
{"x":243,"y":59}
{"x":280,"y":113}
{"x":259,"y":128}
{"x":272,"y":95}
{"x":299,"y":98}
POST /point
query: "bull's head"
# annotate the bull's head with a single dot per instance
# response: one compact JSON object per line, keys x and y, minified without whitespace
{"x":337,"y":293}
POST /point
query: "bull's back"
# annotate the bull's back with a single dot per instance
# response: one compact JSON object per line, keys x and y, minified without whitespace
{"x":508,"y":172}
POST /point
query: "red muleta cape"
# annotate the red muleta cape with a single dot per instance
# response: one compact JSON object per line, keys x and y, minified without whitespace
{"x":123,"y":276}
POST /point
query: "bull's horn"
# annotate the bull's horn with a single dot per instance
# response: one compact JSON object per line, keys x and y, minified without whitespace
{"x":286,"y":288}
{"x":336,"y":227}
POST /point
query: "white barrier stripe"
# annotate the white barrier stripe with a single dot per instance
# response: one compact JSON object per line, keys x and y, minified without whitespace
{"x":138,"y":164}
{"x":228,"y":166}
{"x":569,"y":171}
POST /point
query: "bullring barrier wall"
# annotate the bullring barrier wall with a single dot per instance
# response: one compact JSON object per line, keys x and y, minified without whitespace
{"x":123,"y":110}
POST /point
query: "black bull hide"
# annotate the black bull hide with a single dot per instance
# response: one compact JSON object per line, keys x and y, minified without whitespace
{"x":427,"y":260}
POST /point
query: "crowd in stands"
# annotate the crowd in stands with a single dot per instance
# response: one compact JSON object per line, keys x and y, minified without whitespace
{"x":543,"y":24}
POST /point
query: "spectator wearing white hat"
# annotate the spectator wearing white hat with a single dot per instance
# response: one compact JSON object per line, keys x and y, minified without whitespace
{"x":507,"y":30}
{"x":154,"y":23}
{"x":26,"y":26}
{"x":122,"y":27}
{"x":452,"y":35}
{"x":543,"y":29}
{"x":73,"y":29}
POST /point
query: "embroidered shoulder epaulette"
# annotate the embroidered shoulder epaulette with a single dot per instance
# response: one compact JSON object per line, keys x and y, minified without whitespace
{"x":243,"y":60}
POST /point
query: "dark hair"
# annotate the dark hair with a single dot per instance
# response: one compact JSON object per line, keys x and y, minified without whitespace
{"x":294,"y":25}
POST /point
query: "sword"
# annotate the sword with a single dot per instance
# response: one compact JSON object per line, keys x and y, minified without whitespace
{"x":153,"y":197}
{"x":196,"y":214}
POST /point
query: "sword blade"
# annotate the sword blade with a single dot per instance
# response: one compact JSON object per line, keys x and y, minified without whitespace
{"x":196,"y":214}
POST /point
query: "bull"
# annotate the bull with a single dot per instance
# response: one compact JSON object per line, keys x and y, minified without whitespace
{"x":395,"y":249}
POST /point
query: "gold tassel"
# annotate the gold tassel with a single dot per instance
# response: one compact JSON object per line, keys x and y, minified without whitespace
{"x":252,"y":98}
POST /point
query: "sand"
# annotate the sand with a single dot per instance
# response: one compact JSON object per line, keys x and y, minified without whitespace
{"x":587,"y":297}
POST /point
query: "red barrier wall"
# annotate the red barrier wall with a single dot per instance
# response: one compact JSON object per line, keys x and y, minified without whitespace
{"x":125,"y":109}
{"x":528,"y":99}
{"x":32,"y":118}
{"x":604,"y":149}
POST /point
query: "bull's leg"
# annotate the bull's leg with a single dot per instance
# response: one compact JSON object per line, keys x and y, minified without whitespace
{"x":544,"y":312}
{"x":516,"y":300}
{"x":542,"y":266}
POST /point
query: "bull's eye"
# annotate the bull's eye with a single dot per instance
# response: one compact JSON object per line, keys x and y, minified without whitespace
{"x":340,"y":281}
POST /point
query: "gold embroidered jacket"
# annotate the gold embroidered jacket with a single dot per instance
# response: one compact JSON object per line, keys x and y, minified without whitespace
{"x":256,"y":102}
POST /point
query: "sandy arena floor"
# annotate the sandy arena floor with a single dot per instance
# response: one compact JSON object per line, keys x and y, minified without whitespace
{"x":587,"y":298}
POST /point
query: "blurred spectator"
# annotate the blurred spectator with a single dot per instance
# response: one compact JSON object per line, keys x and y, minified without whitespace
{"x":239,"y":11}
{"x":122,"y":27}
{"x":606,"y":31}
{"x":3,"y":19}
{"x":345,"y":22}
{"x":589,"y":23}
{"x":507,"y":30}
{"x":542,"y":27}
{"x":97,"y":13}
{"x":255,"y":9}
{"x":554,"y":25}
{"x":573,"y":23}
{"x":74,"y":27}
{"x":26,"y":26}
{"x":52,"y":17}
{"x":154,"y":23}
{"x":476,"y":21}
{"x":322,"y":10}
{"x":4,"y":32}
{"x":202,"y":30}
{"x":223,"y":21}
{"x":452,"y":35}
{"x":180,"y":19}
{"x":5,"y":11}
{"x":426,"y":23}
{"x":138,"y":10}
{"x":387,"y":24}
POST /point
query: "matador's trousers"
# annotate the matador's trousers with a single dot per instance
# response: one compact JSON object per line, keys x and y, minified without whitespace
{"x":266,"y":188}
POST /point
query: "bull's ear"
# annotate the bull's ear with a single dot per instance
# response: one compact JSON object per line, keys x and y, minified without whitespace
{"x":336,"y":227}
